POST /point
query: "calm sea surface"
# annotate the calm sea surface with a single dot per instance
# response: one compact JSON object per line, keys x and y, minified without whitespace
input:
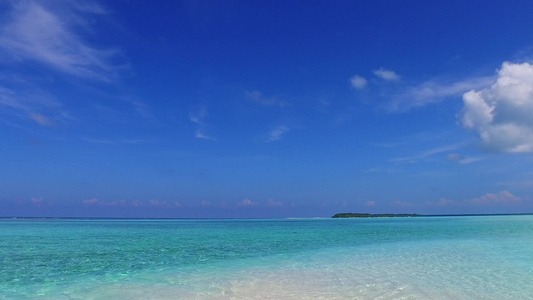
{"x":481,"y":257}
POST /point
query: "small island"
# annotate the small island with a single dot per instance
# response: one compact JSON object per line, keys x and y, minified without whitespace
{"x":366,"y":215}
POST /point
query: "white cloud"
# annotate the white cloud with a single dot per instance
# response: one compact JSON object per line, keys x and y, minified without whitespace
{"x":160,"y":203}
{"x":502,"y":197}
{"x":198,"y":118}
{"x":34,"y":31}
{"x":247,"y":203}
{"x":273,"y":203}
{"x":442,"y":202}
{"x":445,"y":202}
{"x":386,"y":74}
{"x":434,"y":91}
{"x":141,"y":108}
{"x":456,"y":157}
{"x":10,"y":100}
{"x":502,"y":114}
{"x":42,"y":120}
{"x":36,"y":200}
{"x":36,"y":105}
{"x":258,"y":97}
{"x":402,"y":203}
{"x":91,"y":201}
{"x":276,"y":134}
{"x":51,"y":34}
{"x":134,"y":203}
{"x":200,"y":135}
{"x":370,"y":203}
{"x":358,"y":82}
{"x":425,"y":154}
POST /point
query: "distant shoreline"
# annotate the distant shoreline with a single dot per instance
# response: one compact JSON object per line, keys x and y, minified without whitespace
{"x":367,"y":215}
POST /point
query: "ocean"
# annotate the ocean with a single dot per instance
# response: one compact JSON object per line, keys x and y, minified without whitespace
{"x":456,"y":257}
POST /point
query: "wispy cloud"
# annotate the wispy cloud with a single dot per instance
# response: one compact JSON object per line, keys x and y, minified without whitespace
{"x":258,"y":97}
{"x":276,"y":134}
{"x":32,"y":104}
{"x":434,"y":91}
{"x":10,"y":100}
{"x":42,"y":120}
{"x":140,"y":107}
{"x":117,"y":141}
{"x":53,"y":35}
{"x":456,"y":157}
{"x":200,"y":135}
{"x":425,"y":154}
{"x":199,"y":118}
{"x":387,"y":75}
{"x":39,"y":32}
{"x":273,"y":203}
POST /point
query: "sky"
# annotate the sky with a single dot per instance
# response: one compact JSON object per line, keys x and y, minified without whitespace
{"x":265,"y":109}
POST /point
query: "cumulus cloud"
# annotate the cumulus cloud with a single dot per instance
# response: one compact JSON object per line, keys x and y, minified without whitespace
{"x":38,"y":31}
{"x":370,"y":203}
{"x":358,"y":82}
{"x":502,"y":114}
{"x":502,"y":197}
{"x":386,"y":74}
{"x":247,"y":203}
{"x":161,"y":204}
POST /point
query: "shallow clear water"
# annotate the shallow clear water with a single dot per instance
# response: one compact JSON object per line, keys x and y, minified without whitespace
{"x":482,"y":257}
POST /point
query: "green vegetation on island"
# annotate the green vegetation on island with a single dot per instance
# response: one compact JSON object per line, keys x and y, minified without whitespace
{"x":365,"y":215}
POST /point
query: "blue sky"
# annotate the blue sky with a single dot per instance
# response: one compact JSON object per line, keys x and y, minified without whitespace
{"x":265,"y":109}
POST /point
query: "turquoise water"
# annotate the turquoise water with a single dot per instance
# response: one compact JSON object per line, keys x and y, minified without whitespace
{"x":481,"y":257}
